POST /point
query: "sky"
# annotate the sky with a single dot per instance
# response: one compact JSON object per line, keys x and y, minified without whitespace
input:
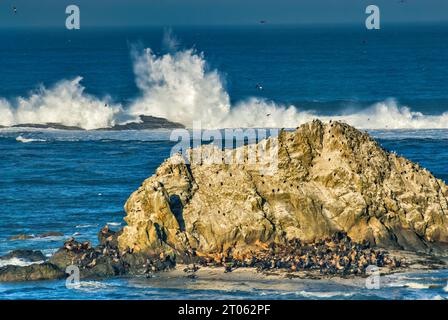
{"x":31,"y":13}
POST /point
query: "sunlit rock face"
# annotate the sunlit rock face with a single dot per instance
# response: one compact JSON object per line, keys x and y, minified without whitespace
{"x":328,"y":177}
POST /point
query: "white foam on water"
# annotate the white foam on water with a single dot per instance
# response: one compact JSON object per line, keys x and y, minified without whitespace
{"x":329,"y":294}
{"x":114,"y":223}
{"x":80,"y":226}
{"x":18,"y":262}
{"x":49,"y":252}
{"x":417,"y":285}
{"x":28,"y":140}
{"x":180,"y":87}
{"x":65,"y":103}
{"x":90,"y":286}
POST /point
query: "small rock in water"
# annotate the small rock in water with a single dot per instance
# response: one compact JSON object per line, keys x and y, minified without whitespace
{"x":34,"y":272}
{"x":30,"y":236}
{"x":21,"y":237}
{"x":50,"y":234}
{"x":27,"y":255}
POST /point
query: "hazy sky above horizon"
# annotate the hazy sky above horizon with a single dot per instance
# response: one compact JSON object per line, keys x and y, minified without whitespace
{"x":217,"y":12}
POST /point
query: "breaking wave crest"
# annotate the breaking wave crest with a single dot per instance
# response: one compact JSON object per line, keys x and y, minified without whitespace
{"x":178,"y":86}
{"x":66,"y":103}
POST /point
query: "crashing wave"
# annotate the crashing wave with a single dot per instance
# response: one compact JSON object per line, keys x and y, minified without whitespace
{"x":178,"y":86}
{"x":66,"y":103}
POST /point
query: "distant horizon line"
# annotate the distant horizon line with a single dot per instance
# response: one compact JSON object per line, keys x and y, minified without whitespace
{"x":254,"y":24}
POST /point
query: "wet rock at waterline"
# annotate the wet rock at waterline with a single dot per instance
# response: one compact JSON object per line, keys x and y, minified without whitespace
{"x":25,"y":255}
{"x":33,"y":272}
{"x":31,"y":236}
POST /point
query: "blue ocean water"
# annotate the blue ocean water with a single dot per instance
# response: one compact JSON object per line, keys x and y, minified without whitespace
{"x":313,"y":67}
{"x":75,"y":182}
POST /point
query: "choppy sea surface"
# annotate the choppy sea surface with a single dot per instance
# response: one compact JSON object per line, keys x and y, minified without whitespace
{"x":75,"y":182}
{"x":391,"y":83}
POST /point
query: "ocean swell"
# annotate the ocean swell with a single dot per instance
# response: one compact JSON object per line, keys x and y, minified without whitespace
{"x":178,"y":86}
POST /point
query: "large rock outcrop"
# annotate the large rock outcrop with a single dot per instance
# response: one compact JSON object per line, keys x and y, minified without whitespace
{"x":330,"y":177}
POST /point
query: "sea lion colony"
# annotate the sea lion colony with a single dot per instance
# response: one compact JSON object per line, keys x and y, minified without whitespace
{"x":337,"y":255}
{"x":337,"y":198}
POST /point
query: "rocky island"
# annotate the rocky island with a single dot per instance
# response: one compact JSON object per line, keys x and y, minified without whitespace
{"x":337,"y":203}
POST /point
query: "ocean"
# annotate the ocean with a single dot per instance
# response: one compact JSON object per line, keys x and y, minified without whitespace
{"x":390,"y":82}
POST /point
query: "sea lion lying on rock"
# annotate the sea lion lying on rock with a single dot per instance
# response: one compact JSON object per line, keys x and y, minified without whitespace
{"x":102,"y":261}
{"x":335,"y":255}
